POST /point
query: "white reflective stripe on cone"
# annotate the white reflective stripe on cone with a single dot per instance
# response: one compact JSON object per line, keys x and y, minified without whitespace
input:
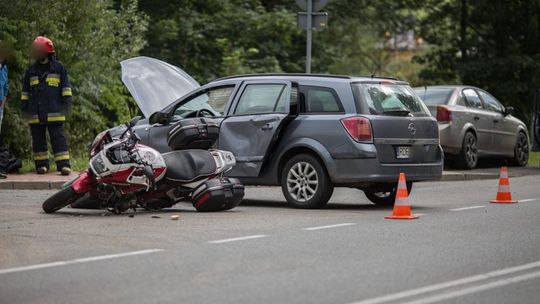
{"x":402,"y":201}
{"x":504,"y":188}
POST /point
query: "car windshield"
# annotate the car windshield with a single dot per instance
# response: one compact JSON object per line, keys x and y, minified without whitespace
{"x":434,"y":96}
{"x":213,"y":100}
{"x":393,"y":99}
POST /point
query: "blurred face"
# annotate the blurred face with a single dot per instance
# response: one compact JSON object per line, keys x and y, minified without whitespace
{"x":38,"y":52}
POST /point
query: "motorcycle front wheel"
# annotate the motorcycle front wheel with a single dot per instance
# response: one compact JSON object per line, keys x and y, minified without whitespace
{"x":60,"y":199}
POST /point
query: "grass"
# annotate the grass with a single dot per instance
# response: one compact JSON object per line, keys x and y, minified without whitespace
{"x":77,"y":164}
{"x":534,"y":158}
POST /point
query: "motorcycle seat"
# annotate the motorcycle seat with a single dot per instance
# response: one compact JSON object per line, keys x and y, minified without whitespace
{"x":185,"y":166}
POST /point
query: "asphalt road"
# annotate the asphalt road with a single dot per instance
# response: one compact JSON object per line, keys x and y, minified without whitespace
{"x":461,"y":250}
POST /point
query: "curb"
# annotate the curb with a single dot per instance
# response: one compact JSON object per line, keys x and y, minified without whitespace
{"x":456,"y":176}
{"x":27,"y":185}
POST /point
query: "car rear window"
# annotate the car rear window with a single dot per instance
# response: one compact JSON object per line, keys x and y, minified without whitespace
{"x":434,"y":96}
{"x":392,"y":99}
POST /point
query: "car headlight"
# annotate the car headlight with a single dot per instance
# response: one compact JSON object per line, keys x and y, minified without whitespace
{"x":98,"y":165}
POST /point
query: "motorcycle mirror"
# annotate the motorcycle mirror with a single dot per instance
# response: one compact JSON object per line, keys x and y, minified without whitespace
{"x":134,"y":121}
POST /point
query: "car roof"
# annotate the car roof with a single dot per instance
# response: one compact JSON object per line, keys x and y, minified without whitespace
{"x":451,"y":86}
{"x":301,"y":76}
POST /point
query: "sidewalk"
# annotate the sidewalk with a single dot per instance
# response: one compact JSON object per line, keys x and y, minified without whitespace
{"x":53,"y":180}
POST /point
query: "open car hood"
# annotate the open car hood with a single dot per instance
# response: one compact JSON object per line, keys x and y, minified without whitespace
{"x":155,"y":84}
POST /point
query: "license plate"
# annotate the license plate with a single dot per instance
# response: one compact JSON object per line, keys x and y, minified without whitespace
{"x":402,"y":152}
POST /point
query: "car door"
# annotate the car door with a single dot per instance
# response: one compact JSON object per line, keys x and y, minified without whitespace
{"x":480,"y":118}
{"x":253,"y":124}
{"x":214,"y":100}
{"x":504,"y":130}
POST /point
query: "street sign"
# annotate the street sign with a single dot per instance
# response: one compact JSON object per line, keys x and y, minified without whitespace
{"x":318,"y":20}
{"x":317,"y":4}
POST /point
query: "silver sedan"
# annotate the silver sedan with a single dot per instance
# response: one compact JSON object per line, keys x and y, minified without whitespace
{"x":473,"y":124}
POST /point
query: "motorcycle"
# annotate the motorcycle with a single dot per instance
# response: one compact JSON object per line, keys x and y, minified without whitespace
{"x":124,"y":174}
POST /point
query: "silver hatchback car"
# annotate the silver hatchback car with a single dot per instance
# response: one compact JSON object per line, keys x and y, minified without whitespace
{"x":473,"y":124}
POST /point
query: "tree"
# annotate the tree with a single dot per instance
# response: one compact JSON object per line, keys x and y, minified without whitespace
{"x":494,"y":45}
{"x":90,"y":37}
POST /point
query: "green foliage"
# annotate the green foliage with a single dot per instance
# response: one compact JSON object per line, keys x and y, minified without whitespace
{"x":91,"y":38}
{"x":494,"y":45}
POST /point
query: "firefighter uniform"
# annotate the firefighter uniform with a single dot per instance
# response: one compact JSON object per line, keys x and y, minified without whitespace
{"x":45,"y":99}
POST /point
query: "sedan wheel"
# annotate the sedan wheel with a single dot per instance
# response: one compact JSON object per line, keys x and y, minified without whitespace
{"x":521,"y":151}
{"x":305,"y":182}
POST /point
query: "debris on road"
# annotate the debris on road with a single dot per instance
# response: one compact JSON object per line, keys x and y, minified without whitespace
{"x":175,"y":217}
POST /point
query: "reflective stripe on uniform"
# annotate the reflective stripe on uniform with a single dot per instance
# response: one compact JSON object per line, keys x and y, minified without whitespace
{"x":55,"y":117}
{"x":34,"y":80}
{"x":53,"y":80}
{"x":66,"y":91}
{"x":61,"y":156}
{"x":41,"y":155}
{"x":25,"y":96}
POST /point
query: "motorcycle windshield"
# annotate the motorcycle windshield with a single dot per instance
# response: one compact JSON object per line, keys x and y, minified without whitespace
{"x":155,"y":84}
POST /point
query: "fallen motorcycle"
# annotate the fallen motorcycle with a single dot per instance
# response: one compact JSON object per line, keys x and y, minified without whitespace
{"x":125,"y":174}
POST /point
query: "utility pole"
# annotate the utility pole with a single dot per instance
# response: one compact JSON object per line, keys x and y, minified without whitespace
{"x":309,"y":37}
{"x":311,"y":19}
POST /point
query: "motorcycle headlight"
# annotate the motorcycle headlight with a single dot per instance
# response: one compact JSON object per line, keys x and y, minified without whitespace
{"x":97,"y":164}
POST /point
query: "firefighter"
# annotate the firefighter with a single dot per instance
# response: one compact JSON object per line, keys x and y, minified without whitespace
{"x":45,"y":99}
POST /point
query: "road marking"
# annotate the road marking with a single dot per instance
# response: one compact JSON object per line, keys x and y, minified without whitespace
{"x":78,"y":261}
{"x":328,"y":226}
{"x":475,"y":289}
{"x":448,"y":284}
{"x":528,"y":200}
{"x":249,"y":237}
{"x":419,"y":214}
{"x":467,"y":208}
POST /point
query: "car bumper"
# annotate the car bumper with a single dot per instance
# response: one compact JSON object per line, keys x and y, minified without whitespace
{"x":450,"y":137}
{"x":354,"y":171}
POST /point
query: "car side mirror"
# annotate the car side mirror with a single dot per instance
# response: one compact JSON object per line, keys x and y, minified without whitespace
{"x":508,"y":110}
{"x":159,"y":118}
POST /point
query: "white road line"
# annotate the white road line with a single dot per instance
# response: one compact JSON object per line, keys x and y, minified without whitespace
{"x":78,"y":261}
{"x":475,"y":289}
{"x":528,"y":200}
{"x":249,"y":237}
{"x":328,"y":226}
{"x":467,"y":208}
{"x":448,"y":284}
{"x":419,"y":214}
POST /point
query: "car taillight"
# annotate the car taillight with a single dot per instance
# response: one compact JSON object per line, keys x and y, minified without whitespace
{"x":359,"y":128}
{"x":443,"y":114}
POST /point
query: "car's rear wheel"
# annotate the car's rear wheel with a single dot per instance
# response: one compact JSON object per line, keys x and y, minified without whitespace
{"x":384,"y":196}
{"x":468,"y":157}
{"x":521,"y":150}
{"x":305,"y":182}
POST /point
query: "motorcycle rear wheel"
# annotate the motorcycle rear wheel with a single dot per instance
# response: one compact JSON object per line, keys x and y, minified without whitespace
{"x":60,"y":200}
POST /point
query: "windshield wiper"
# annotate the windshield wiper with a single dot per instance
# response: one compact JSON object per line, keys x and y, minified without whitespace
{"x":397,"y":112}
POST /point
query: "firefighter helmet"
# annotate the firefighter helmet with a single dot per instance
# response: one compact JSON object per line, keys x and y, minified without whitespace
{"x":44,"y":43}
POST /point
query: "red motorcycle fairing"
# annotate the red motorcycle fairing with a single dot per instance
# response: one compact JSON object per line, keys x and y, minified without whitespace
{"x":84,"y":183}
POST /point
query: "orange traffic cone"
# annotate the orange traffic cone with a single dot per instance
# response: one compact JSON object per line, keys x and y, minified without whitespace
{"x":503,"y":194}
{"x":402,"y":209}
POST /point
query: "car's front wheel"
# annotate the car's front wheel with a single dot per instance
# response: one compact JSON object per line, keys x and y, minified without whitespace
{"x":521,"y":150}
{"x":305,"y":182}
{"x":384,"y":196}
